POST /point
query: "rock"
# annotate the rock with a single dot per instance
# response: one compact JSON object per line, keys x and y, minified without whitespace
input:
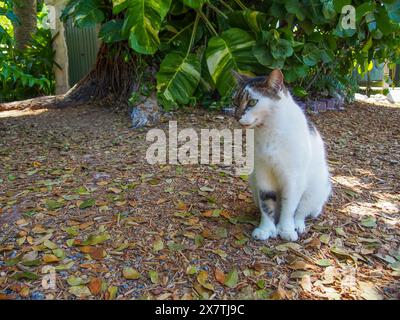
{"x":313,"y":106}
{"x":146,"y":113}
{"x":394,"y":95}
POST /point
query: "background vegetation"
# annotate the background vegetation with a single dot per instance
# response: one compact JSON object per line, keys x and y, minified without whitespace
{"x":25,"y":72}
{"x":185,"y":50}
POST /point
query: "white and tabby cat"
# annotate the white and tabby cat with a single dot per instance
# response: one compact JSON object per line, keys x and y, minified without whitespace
{"x":290,"y":180}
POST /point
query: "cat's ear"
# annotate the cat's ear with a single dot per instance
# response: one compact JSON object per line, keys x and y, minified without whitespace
{"x":275,"y":80}
{"x":239,"y":78}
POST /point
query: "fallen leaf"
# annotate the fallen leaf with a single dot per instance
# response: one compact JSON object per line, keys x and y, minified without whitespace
{"x":25,"y":275}
{"x":286,"y":246}
{"x":305,"y":283}
{"x":130,"y":273}
{"x":153,"y":275}
{"x":50,"y":258}
{"x":54,"y":205}
{"x":202,"y":278}
{"x":219,"y":276}
{"x":158,"y":245}
{"x":323,"y":262}
{"x":94,"y":239}
{"x":80,"y":291}
{"x":232,"y":279}
{"x":87,"y":204}
{"x":75,"y":281}
{"x":368,"y":291}
{"x":191,"y":270}
{"x":95,"y":286}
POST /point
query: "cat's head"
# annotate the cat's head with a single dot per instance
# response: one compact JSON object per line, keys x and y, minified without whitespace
{"x":256,"y":98}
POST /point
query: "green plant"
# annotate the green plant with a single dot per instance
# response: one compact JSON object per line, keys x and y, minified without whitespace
{"x":29,"y":73}
{"x":199,"y":42}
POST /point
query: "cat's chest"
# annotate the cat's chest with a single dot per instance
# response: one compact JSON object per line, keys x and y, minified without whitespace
{"x":267,"y":148}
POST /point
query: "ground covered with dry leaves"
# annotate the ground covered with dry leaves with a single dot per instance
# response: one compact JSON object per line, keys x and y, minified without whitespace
{"x":79,"y":204}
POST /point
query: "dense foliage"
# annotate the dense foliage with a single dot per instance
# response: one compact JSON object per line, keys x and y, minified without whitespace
{"x":201,"y":41}
{"x":29,"y":73}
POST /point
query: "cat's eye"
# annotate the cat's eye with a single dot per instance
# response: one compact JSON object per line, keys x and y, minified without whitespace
{"x":252,"y":103}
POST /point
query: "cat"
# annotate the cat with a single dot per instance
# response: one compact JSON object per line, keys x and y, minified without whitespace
{"x":290,"y":180}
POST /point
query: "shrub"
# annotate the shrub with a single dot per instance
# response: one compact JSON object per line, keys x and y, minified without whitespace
{"x":199,"y":42}
{"x":29,"y":73}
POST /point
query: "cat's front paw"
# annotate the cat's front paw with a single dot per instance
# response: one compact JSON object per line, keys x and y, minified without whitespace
{"x":287,"y":233}
{"x":299,"y":225}
{"x":264,"y":234}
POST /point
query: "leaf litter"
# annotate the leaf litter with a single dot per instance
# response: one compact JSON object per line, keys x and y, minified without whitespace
{"x":114,"y":227}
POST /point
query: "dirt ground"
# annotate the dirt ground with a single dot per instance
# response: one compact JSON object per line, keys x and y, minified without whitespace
{"x":80,"y":205}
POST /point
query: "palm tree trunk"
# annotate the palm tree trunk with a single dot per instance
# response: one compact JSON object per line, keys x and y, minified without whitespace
{"x":25,"y":10}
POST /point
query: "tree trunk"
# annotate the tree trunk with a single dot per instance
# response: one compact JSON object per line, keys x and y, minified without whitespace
{"x":112,"y":79}
{"x":25,"y":10}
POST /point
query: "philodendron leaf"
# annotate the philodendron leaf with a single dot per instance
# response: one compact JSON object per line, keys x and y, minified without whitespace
{"x":281,"y":49}
{"x":231,"y":50}
{"x":111,"y":31}
{"x":247,"y":19}
{"x":88,"y":13}
{"x":142,"y":23}
{"x":311,"y":54}
{"x":178,"y":77}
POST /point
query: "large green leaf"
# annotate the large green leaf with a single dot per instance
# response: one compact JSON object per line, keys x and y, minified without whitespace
{"x":232,"y":50}
{"x":88,"y":13}
{"x":247,"y":19}
{"x":339,"y":4}
{"x":281,"y":49}
{"x":328,"y":9}
{"x":363,"y":9}
{"x":111,"y":31}
{"x":142,"y":22}
{"x":393,"y":10}
{"x":384,"y":24}
{"x":178,"y":77}
{"x":296,"y":8}
{"x":311,"y":54}
{"x":119,"y":5}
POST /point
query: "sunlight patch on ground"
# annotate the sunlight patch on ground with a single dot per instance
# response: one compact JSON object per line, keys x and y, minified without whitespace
{"x":361,"y":210}
{"x":352,"y":183}
{"x":21,"y":113}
